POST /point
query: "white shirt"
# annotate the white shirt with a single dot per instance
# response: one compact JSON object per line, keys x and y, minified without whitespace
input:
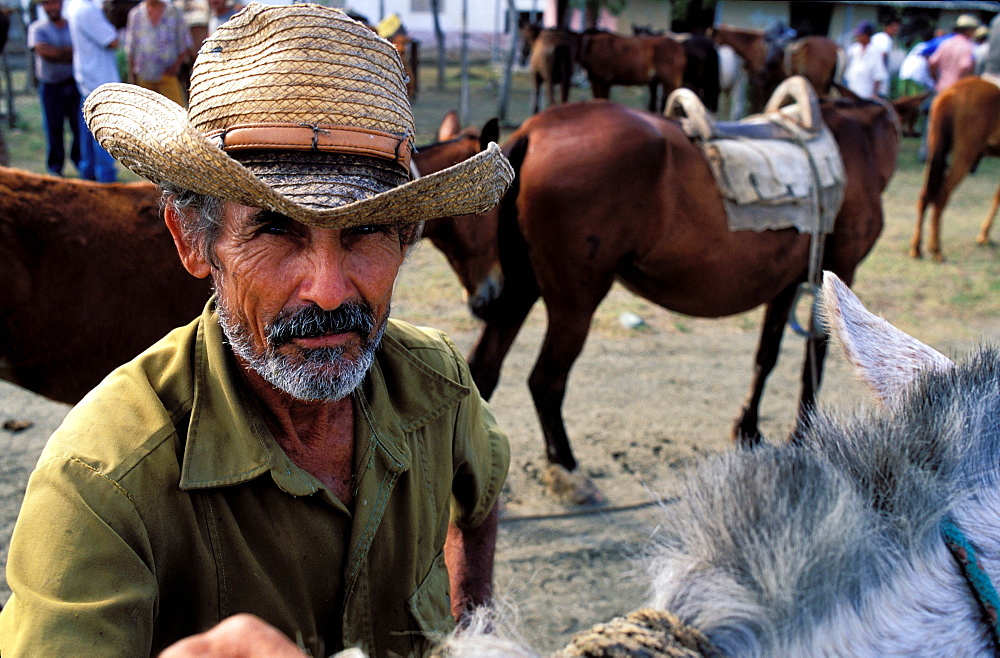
{"x":865,"y":67}
{"x":915,"y":67}
{"x":93,"y":62}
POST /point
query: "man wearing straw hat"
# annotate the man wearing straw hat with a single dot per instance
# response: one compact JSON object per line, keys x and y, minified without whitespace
{"x":292,"y":453}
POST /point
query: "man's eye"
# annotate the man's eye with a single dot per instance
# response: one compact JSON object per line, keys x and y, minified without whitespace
{"x":371,"y":230}
{"x":273,"y":229}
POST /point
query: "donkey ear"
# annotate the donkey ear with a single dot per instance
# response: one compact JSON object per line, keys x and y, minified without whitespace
{"x":885,"y":358}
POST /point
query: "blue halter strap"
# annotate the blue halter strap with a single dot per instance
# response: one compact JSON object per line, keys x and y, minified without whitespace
{"x":965,"y":554}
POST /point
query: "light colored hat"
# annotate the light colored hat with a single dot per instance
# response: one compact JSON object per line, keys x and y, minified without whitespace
{"x":967,"y":21}
{"x":297,"y":109}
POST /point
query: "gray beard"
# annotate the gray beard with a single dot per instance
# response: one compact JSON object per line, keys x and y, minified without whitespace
{"x":322,"y":375}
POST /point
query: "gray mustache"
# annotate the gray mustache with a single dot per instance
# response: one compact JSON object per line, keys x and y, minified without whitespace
{"x":312,"y":321}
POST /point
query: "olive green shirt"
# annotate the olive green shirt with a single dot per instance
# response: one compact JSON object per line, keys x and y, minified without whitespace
{"x":163,"y":505}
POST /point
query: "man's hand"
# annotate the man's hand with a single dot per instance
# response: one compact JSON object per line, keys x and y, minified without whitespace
{"x":239,"y":636}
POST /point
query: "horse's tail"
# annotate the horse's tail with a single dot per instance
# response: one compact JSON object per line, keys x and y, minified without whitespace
{"x":518,"y":273}
{"x":941,"y":136}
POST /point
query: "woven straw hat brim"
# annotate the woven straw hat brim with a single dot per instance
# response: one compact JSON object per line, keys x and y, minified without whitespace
{"x":152,"y":136}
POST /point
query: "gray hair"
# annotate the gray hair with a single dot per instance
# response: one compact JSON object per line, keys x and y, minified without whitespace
{"x":200,"y":218}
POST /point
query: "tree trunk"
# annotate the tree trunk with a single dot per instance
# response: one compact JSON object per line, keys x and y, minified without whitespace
{"x":562,"y":13}
{"x":591,"y":14}
{"x":439,"y":36}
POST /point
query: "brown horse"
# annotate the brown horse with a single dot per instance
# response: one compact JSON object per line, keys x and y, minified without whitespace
{"x":963,"y":126}
{"x":908,"y":109}
{"x":655,"y":61}
{"x":605,"y":192}
{"x":552,"y":55}
{"x":816,"y":58}
{"x":482,"y":264}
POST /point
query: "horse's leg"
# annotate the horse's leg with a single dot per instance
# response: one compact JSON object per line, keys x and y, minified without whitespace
{"x":569,"y":320}
{"x":538,"y":92}
{"x":812,"y":376}
{"x":487,"y":355}
{"x":961,"y":164}
{"x":746,"y":432}
{"x":599,"y":88}
{"x":984,"y":232}
{"x":654,"y":87}
{"x":918,"y":231}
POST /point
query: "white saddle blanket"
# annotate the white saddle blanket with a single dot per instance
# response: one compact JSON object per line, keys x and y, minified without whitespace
{"x":773,"y":183}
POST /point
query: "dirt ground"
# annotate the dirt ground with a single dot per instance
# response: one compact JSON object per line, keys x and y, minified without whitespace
{"x":642,"y":405}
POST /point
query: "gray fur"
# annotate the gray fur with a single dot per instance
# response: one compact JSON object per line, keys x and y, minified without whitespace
{"x":832,"y":546}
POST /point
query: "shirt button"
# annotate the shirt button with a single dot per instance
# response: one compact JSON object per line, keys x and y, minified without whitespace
{"x":364,"y":501}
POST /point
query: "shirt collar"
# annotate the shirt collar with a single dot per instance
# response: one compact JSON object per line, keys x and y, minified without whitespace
{"x":228,"y":442}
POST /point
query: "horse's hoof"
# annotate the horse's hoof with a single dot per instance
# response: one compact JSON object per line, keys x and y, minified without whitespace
{"x":915,"y":253}
{"x":938,"y":257}
{"x":983,"y":241}
{"x":571,"y":487}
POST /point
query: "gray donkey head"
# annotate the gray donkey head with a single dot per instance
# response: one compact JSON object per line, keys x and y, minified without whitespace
{"x":834,"y":545}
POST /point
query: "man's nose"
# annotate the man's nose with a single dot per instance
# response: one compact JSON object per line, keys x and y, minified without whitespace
{"x":325,"y":281}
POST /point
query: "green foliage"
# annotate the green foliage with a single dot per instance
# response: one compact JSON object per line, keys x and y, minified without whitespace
{"x":613,"y":6}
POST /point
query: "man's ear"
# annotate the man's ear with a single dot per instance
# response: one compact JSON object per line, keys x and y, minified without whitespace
{"x":192,"y":259}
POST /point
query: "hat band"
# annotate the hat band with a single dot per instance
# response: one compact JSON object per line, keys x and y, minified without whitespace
{"x":314,"y":137}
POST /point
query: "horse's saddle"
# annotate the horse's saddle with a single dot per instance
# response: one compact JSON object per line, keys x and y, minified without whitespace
{"x":778,"y":169}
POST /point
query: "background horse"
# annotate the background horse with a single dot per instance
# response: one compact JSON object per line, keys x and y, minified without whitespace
{"x":835,"y":546}
{"x":963,"y":126}
{"x":702,"y":68}
{"x":767,"y":63}
{"x":818,"y":59}
{"x":655,"y":61}
{"x":605,"y":192}
{"x":552,"y":55}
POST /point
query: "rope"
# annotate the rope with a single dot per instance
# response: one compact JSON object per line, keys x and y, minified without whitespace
{"x":644,"y":633}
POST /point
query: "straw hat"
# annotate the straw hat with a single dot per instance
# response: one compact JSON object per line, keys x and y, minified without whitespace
{"x":967,"y":22}
{"x":298,"y":109}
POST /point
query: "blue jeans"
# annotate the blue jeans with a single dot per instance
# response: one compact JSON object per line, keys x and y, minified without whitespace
{"x":95,"y":163}
{"x":60,"y":104}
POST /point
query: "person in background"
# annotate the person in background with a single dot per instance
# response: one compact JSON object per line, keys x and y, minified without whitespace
{"x":950,"y":60}
{"x":95,"y":42}
{"x":49,"y":39}
{"x":953,"y":59}
{"x":979,"y":52}
{"x":220,"y":11}
{"x":885,"y":43}
{"x":157,"y":43}
{"x":914,"y":73}
{"x":865,"y":73}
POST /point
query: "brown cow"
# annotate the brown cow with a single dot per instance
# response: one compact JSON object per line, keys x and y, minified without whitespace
{"x":91,"y":278}
{"x":610,"y":59}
